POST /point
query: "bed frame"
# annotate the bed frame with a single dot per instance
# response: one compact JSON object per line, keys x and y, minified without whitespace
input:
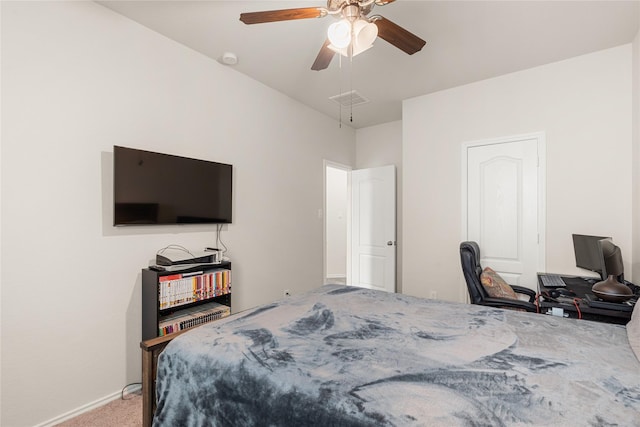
{"x":151,"y":349}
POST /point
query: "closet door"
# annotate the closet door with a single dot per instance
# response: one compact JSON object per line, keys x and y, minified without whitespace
{"x":503,"y":207}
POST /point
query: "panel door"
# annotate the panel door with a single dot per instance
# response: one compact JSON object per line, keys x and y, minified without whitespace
{"x":502,"y":208}
{"x":373,"y":240}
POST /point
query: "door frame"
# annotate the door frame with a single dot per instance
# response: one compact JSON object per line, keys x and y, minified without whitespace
{"x":323,"y":215}
{"x":540,"y":138}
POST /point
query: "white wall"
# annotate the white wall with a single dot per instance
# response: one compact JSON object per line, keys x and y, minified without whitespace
{"x":381,"y":145}
{"x":584,"y":106}
{"x":636,"y":154}
{"x":77,"y":79}
{"x":0,"y":230}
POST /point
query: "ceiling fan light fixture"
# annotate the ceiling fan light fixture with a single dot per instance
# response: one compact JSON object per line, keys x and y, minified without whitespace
{"x":361,"y":36}
{"x":346,"y":52}
{"x":339,"y":34}
{"x":364,"y":34}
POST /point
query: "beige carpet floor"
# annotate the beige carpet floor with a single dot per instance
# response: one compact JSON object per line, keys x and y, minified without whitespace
{"x":125,"y":412}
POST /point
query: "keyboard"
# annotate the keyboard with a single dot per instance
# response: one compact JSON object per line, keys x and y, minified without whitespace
{"x":552,"y":281}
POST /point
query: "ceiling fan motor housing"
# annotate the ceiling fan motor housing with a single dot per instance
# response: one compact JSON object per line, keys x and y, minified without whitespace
{"x":349,"y":9}
{"x":351,"y":12}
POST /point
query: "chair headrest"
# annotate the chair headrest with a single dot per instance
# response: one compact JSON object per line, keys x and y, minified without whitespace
{"x":473,"y":248}
{"x":471,"y":268}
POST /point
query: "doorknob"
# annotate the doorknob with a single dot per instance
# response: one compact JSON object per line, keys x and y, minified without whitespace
{"x":391,"y":243}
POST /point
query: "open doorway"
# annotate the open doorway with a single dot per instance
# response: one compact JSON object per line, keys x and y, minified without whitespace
{"x":360,"y":226}
{"x":336,"y":217}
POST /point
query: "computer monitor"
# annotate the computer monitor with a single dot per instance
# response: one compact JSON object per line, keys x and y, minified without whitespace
{"x":588,"y":252}
{"x":611,"y":260}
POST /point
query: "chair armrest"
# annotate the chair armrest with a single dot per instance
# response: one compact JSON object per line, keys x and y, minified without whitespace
{"x":510,"y":303}
{"x":526,"y":291}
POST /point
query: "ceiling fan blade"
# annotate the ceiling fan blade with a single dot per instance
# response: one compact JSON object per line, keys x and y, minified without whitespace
{"x":282,"y":15}
{"x":398,"y":36}
{"x":324,"y":57}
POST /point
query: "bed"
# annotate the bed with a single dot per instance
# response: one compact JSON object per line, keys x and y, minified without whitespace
{"x":346,"y":356}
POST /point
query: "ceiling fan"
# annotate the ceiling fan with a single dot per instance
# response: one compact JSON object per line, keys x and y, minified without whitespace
{"x":353,"y":33}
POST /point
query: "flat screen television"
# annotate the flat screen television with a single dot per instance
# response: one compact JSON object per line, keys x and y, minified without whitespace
{"x":156,"y":188}
{"x":588,"y":253}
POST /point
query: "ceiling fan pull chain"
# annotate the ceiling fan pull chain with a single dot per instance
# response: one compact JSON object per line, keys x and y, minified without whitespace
{"x":351,"y":86}
{"x":340,"y":89}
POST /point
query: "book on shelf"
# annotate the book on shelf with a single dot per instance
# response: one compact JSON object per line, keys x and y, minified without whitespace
{"x":194,"y":316}
{"x":177,"y":289}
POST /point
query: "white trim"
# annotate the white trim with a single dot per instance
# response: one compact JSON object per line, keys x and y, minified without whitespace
{"x":89,"y":407}
{"x":542,"y":201}
{"x":541,"y":139}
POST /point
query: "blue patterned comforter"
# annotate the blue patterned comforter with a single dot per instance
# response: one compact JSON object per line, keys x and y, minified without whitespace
{"x":343,"y":356}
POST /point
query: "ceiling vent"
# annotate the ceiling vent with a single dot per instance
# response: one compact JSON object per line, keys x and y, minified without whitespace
{"x":349,"y":99}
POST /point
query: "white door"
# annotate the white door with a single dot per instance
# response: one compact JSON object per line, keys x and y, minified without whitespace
{"x":504,"y":189}
{"x":373,"y":228}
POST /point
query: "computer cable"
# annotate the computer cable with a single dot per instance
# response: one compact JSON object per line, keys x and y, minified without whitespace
{"x":126,"y":387}
{"x":179,"y":247}
{"x":576,"y":303}
{"x":219,"y":241}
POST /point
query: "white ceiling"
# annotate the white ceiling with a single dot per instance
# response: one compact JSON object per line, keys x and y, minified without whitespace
{"x":467,"y":41}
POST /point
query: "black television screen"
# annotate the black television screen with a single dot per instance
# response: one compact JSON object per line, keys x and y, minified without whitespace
{"x":588,"y":253}
{"x":156,"y":188}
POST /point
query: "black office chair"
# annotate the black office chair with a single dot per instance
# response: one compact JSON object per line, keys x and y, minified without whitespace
{"x":471,"y":268}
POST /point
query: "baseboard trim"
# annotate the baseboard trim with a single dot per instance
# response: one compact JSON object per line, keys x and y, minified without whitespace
{"x":89,"y":406}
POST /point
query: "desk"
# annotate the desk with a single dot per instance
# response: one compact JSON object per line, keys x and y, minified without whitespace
{"x":581,"y":286}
